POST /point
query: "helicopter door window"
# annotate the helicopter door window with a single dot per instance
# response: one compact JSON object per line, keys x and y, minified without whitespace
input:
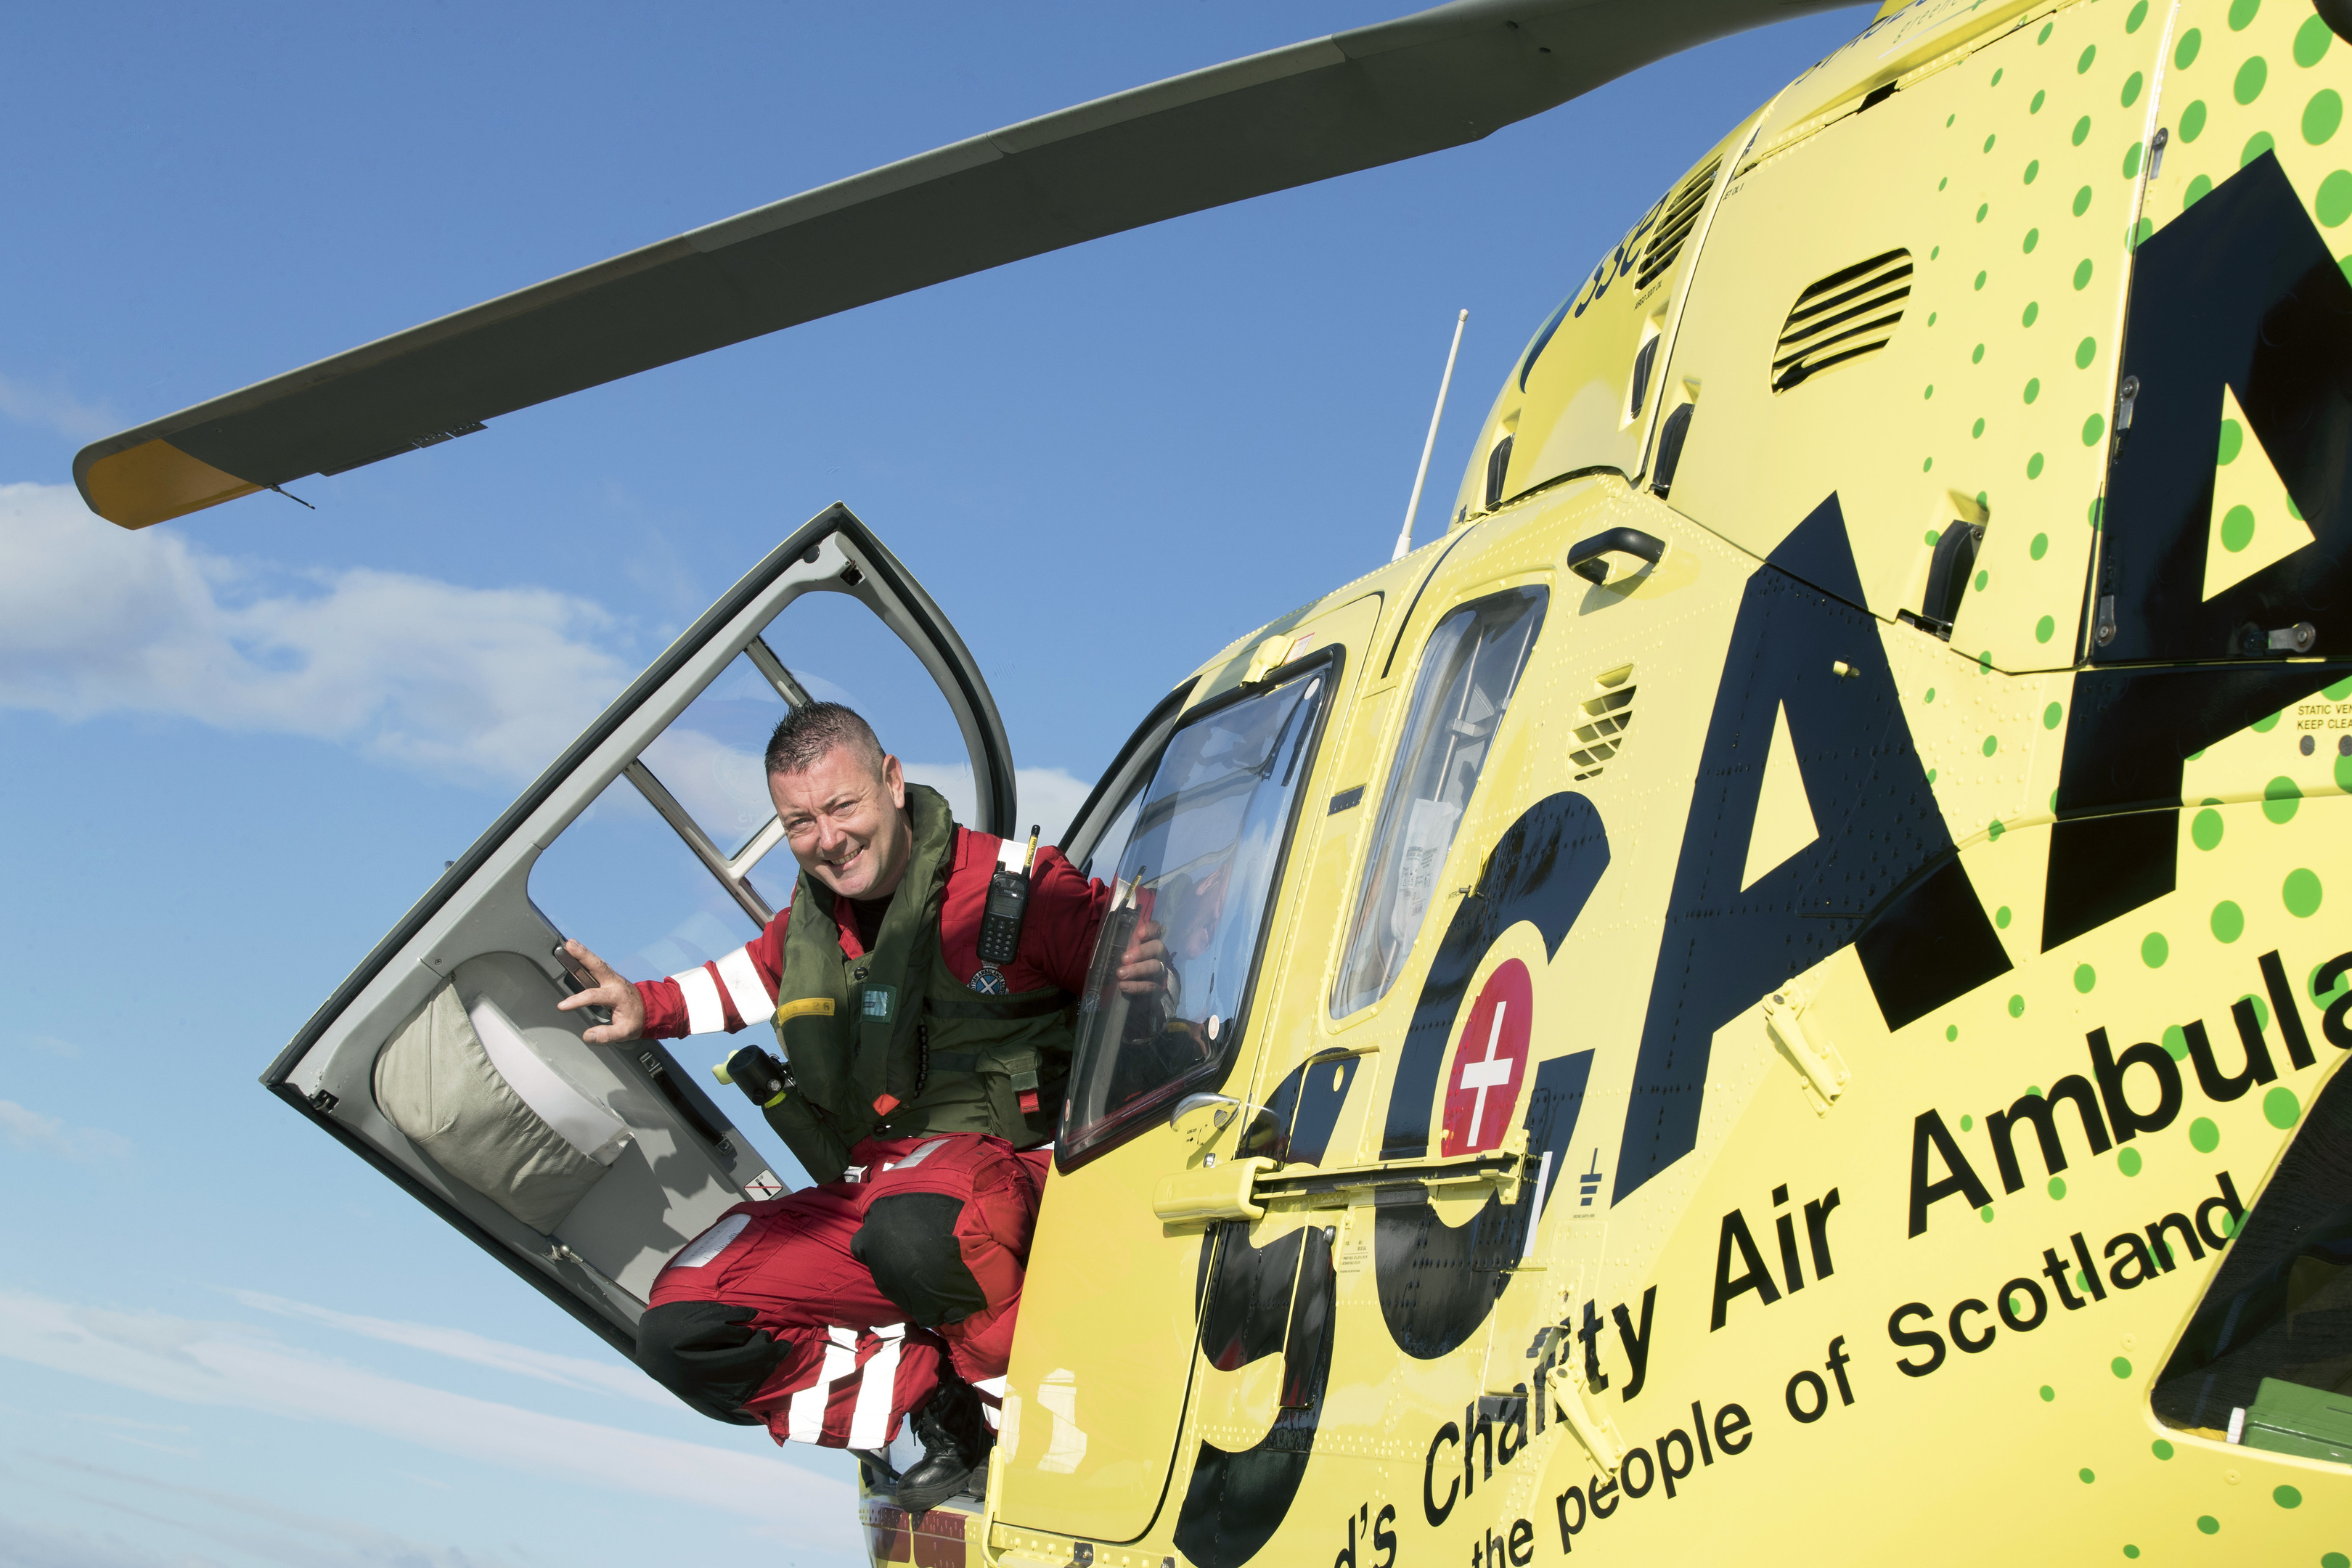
{"x":704,"y":775}
{"x":1202,"y":861}
{"x":1468,"y":674}
{"x":2266,"y":1362}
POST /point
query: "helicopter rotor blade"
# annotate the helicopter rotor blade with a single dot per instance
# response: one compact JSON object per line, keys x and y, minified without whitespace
{"x":1266,"y":123}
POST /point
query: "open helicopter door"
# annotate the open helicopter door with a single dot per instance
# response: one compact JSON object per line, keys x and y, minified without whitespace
{"x":442,"y":1060}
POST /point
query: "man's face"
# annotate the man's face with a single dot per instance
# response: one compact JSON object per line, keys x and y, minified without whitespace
{"x":848,"y":826}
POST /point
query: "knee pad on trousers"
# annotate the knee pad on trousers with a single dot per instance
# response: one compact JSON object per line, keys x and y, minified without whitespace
{"x":708,"y":1354}
{"x":908,"y":1242}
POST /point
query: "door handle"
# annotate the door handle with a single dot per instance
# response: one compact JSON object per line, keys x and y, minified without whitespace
{"x":1212,"y":1192}
{"x":1584,"y":555}
{"x":1240,"y":1188}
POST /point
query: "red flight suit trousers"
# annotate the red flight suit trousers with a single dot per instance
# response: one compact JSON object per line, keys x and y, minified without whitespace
{"x":865,"y":1283}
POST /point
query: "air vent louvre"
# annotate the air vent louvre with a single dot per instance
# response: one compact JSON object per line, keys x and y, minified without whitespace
{"x":1674,"y":225}
{"x":1847,"y":314}
{"x":1607,"y":717}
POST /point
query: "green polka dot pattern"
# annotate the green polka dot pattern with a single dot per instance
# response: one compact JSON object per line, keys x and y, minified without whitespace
{"x":2300,"y":893}
{"x":2229,"y":921}
{"x":2013,"y":176}
{"x":2281,"y":799}
{"x":2311,"y":41}
{"x":2020,"y":167}
{"x":2256,"y":80}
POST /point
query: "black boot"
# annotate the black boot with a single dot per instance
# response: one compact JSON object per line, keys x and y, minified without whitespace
{"x":955,"y":1439}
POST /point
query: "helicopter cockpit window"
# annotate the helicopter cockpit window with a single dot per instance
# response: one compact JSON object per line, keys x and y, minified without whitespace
{"x":1200,"y":862}
{"x":1468,"y":674}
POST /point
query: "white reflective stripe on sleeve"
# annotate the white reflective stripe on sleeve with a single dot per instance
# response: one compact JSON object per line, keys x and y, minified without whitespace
{"x":744,"y":986}
{"x":805,"y":1420}
{"x":703,"y":1248}
{"x":991,"y":1386}
{"x":919,"y":1156}
{"x":704,"y":1016}
{"x":869,"y":1423}
{"x":990,"y":1413}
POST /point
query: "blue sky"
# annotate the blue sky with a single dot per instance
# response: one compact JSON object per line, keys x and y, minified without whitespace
{"x":235,"y":748}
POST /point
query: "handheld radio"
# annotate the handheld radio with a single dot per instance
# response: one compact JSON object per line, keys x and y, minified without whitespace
{"x":1007,"y":907}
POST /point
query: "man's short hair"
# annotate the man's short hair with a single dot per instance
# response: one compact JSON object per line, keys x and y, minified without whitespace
{"x":806,"y":734}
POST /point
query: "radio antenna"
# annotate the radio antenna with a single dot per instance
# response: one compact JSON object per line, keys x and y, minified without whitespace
{"x":1404,"y":534}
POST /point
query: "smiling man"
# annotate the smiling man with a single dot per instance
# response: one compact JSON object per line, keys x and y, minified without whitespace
{"x":922,"y":1087}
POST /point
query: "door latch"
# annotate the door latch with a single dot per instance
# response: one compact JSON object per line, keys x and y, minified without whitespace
{"x":1564,"y":1386}
{"x":1815,"y":1059}
{"x":1198,"y":1118}
{"x":2300,"y":637}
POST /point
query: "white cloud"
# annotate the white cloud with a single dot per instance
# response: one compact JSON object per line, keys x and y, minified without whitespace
{"x":38,"y":1134}
{"x":197,"y":1363}
{"x":459,"y":1344}
{"x":49,"y":1044}
{"x":54,"y":410}
{"x":255,"y":1528}
{"x":474,"y":685}
{"x":471,"y":684}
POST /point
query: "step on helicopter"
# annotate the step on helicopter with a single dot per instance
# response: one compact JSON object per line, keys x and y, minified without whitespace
{"x":1796,"y":965}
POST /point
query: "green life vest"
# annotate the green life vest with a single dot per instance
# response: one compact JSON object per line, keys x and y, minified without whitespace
{"x":893,"y":1044}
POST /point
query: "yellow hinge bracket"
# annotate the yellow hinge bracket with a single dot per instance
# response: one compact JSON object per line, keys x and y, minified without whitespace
{"x":1808,"y":1050}
{"x":1572,"y":1402}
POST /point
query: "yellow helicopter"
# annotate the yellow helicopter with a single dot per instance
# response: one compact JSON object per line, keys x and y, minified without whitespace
{"x":1739,"y":960}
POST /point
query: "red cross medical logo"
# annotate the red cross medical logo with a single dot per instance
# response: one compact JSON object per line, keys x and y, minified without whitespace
{"x":1490,"y":1063}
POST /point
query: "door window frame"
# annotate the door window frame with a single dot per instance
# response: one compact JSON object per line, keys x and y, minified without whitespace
{"x":1130,"y":771}
{"x":1130,"y":1121}
{"x":1407,"y":689}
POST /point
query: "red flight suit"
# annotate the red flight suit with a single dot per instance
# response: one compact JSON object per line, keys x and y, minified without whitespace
{"x":850,"y":1360}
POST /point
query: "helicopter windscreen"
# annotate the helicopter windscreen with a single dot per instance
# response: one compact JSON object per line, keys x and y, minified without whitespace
{"x":1201,"y":863}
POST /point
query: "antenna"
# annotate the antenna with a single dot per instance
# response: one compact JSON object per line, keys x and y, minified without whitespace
{"x":1404,"y":534}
